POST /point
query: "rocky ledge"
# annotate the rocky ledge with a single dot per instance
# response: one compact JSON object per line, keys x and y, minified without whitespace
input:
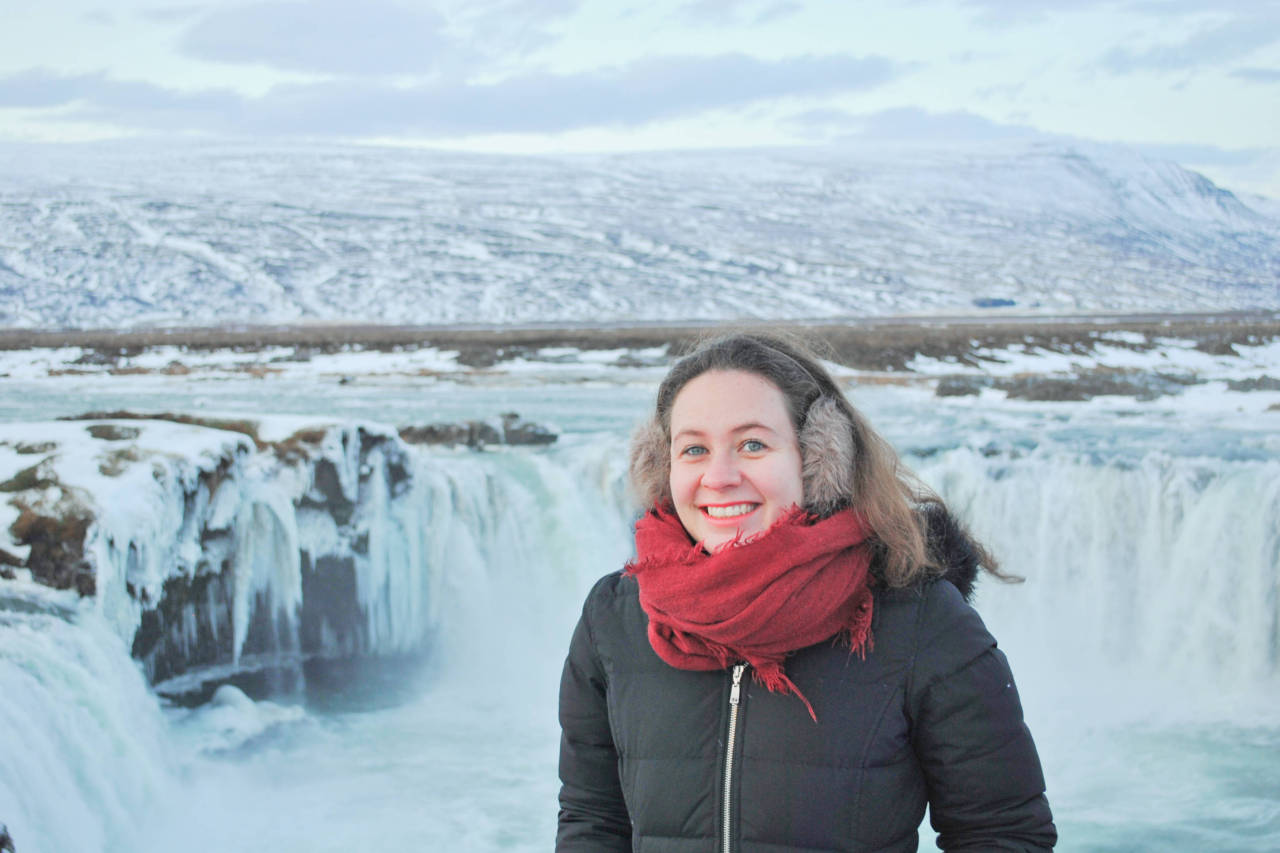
{"x":218,"y":546}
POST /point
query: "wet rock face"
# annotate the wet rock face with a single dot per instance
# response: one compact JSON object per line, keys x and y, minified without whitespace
{"x":333,"y":500}
{"x":189,"y":627}
{"x":331,"y":620}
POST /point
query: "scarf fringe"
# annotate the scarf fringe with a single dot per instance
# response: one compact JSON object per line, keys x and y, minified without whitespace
{"x":759,"y":597}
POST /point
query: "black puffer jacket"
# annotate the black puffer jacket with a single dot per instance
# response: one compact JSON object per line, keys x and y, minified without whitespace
{"x":931,"y":715}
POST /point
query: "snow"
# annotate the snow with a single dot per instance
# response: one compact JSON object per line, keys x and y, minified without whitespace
{"x":1163,"y":355}
{"x":211,"y":234}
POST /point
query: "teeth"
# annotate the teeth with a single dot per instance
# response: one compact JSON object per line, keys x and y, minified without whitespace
{"x":729,"y":511}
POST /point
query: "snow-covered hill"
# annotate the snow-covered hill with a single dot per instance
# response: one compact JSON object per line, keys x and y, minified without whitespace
{"x":120,"y":236}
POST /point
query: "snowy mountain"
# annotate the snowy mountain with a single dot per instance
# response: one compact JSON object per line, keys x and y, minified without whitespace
{"x":120,"y":236}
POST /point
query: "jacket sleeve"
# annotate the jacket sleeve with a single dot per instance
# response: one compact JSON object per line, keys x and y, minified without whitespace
{"x":986,"y":788}
{"x":593,"y":814}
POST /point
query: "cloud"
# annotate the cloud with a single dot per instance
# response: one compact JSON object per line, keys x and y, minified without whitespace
{"x":777,"y":12}
{"x":731,"y":12}
{"x":627,"y":95}
{"x":499,"y":28}
{"x":1222,"y":43}
{"x":98,"y":96}
{"x":168,"y":14}
{"x":327,"y":36}
{"x":640,"y":92}
{"x":1007,"y":13}
{"x":375,"y":37}
{"x":1258,"y":75}
{"x":912,"y":123}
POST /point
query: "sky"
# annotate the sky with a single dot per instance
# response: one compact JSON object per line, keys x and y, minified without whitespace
{"x":1194,"y":82}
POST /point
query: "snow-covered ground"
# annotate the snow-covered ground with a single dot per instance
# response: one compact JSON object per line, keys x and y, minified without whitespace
{"x":116,"y":236}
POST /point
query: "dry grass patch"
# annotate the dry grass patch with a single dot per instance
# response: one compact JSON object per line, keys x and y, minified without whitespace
{"x":244,"y":427}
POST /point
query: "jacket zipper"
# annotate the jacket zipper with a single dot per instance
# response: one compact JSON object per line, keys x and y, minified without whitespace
{"x":735,"y":695}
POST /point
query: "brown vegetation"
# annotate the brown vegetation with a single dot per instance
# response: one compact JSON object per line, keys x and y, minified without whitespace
{"x":875,"y":344}
{"x":245,"y":427}
{"x":57,"y":547}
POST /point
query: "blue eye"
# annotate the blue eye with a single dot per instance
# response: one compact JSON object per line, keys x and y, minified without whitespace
{"x":752,"y":445}
{"x":693,"y":450}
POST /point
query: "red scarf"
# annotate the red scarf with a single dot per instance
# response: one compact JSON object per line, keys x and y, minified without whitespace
{"x":798,"y":583}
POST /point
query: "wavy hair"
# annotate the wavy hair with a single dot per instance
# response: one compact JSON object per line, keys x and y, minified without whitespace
{"x":845,"y":462}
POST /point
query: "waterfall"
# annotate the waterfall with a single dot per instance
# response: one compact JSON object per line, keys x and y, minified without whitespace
{"x":82,"y":740}
{"x":1156,"y":574}
{"x":1151,"y":591}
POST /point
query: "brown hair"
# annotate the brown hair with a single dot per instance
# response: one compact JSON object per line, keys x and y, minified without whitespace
{"x":846,"y":463}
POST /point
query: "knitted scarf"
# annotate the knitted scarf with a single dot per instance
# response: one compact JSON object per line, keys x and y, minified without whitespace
{"x":799,"y":582}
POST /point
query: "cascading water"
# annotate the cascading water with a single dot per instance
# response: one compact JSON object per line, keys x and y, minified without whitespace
{"x":1160,"y":569}
{"x":1144,"y":641}
{"x":85,"y":749}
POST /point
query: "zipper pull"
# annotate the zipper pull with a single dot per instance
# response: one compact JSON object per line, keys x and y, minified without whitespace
{"x":736,"y":690}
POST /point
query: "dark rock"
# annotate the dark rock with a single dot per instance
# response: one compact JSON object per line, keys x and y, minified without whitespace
{"x":1043,"y":389}
{"x":1217,"y":345}
{"x":478,"y":356}
{"x":960,"y":386}
{"x":268,"y":634}
{"x":477,"y":434}
{"x":190,"y":627}
{"x":28,"y":478}
{"x":27,"y":448}
{"x":325,"y":480}
{"x":332,"y":622}
{"x":57,"y":547}
{"x":517,"y":431}
{"x":633,"y":359}
{"x":474,"y":434}
{"x":6,"y":840}
{"x":1261,"y":383}
{"x":97,"y":358}
{"x":1086,"y":386}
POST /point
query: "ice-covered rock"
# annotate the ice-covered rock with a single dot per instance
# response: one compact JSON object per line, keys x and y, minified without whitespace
{"x":219,"y":549}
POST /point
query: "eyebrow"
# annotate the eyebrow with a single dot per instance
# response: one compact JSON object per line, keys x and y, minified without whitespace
{"x":740,"y":428}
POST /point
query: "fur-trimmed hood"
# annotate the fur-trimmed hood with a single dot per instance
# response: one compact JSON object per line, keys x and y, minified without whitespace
{"x":953,"y":547}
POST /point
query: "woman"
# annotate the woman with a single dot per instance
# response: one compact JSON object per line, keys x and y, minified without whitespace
{"x":789,"y":662}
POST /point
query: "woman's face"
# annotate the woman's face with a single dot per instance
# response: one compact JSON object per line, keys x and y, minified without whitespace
{"x":735,"y":460}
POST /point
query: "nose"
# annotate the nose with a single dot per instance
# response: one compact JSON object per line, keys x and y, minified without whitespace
{"x":722,"y":472}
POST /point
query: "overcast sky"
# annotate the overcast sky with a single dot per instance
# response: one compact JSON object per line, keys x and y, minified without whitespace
{"x":1196,"y":82}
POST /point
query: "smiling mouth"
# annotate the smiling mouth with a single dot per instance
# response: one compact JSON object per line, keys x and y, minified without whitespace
{"x":730,"y":510}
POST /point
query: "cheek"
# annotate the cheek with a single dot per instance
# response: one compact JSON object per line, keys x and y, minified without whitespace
{"x":680,"y":483}
{"x":786,"y":484}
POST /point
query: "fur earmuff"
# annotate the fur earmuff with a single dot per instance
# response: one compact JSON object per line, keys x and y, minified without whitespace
{"x":650,"y":465}
{"x":827,"y":455}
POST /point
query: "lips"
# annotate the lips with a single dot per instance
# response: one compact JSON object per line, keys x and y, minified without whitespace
{"x":728,"y":512}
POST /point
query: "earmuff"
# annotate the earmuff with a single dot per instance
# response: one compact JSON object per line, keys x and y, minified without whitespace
{"x":827,"y":454}
{"x":650,"y":466}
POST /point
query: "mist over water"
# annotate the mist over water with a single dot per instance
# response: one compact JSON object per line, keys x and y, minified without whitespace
{"x":1144,"y":641}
